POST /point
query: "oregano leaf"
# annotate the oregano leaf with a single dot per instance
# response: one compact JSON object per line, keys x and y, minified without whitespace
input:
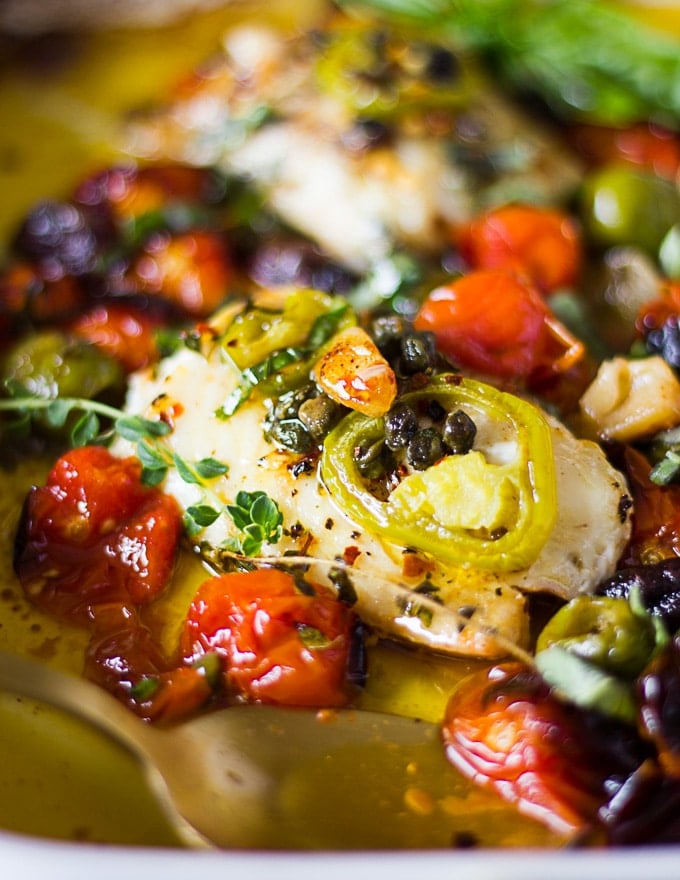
{"x":203,"y":515}
{"x":85,"y":429}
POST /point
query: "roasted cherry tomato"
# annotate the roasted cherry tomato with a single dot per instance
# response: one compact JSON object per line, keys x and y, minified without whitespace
{"x":130,"y":192}
{"x":124,"y":333}
{"x":26,"y":296}
{"x":496,"y":323}
{"x":542,"y":243}
{"x":94,"y":540}
{"x":126,"y":660}
{"x":192,"y":270}
{"x":504,"y":728}
{"x":646,"y":144}
{"x":656,"y":523}
{"x":280,"y":645}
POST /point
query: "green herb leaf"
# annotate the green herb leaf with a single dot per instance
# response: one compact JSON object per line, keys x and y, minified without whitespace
{"x":325,"y":326}
{"x":258,"y":518}
{"x":203,"y":515}
{"x":311,"y":637}
{"x":152,"y":456}
{"x":57,"y":412}
{"x":667,"y":470}
{"x":85,"y":429}
{"x":586,"y":685}
{"x":207,"y":468}
{"x":153,"y":476}
{"x":135,"y":428}
{"x":145,"y":688}
{"x":185,"y":470}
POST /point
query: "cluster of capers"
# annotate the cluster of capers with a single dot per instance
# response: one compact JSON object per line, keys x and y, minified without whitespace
{"x":301,"y":418}
{"x":424,"y":446}
{"x":409,"y":351}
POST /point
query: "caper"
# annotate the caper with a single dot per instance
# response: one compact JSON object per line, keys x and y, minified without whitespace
{"x":283,"y":425}
{"x":459,"y":432}
{"x":425,"y":448}
{"x":417,"y":352}
{"x":387,"y":332}
{"x":369,"y":459}
{"x":318,"y":414}
{"x":401,"y":423}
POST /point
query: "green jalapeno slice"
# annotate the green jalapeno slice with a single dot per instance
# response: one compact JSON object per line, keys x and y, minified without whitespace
{"x":492,"y":508}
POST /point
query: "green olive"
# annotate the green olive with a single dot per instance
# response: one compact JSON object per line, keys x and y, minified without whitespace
{"x":604,"y":631}
{"x":621,"y":205}
{"x":51,"y":365}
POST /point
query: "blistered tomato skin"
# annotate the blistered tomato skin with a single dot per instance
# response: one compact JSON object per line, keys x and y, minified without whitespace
{"x":279,"y":645}
{"x":504,"y":729}
{"x":496,"y":323}
{"x":94,"y":538}
{"x":540,"y":243}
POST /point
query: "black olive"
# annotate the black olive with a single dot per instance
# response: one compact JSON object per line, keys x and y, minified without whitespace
{"x":418,"y":352}
{"x":659,"y":586}
{"x":459,"y":432}
{"x":401,"y":423}
{"x":425,"y":448}
{"x":56,"y":236}
{"x":665,"y":341}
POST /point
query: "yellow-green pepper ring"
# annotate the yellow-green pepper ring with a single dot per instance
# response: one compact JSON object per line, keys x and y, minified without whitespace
{"x":533,"y":476}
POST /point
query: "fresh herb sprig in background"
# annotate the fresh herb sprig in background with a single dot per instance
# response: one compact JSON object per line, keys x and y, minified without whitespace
{"x":255,"y":515}
{"x":584,"y":58}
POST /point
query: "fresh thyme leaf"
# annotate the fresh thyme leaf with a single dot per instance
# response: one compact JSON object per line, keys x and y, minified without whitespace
{"x":135,"y":428}
{"x":203,"y":515}
{"x":57,"y":412}
{"x":152,"y":456}
{"x":153,"y":476}
{"x":211,"y":467}
{"x":185,"y":470}
{"x":191,"y":527}
{"x":85,"y":429}
{"x":259,"y":520}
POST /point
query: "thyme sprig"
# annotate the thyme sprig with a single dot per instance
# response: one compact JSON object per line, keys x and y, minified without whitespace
{"x":255,"y":515}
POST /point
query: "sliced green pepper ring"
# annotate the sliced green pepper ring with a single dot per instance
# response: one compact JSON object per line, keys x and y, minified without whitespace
{"x":529,"y":517}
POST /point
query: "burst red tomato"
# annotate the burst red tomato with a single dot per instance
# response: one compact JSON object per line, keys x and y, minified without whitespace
{"x":94,"y":540}
{"x":124,"y":333}
{"x":503,"y":728}
{"x":656,"y":520}
{"x":128,"y":191}
{"x":280,"y":645}
{"x":646,"y":144}
{"x":495,"y":323}
{"x":542,"y":243}
{"x":193,"y":270}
